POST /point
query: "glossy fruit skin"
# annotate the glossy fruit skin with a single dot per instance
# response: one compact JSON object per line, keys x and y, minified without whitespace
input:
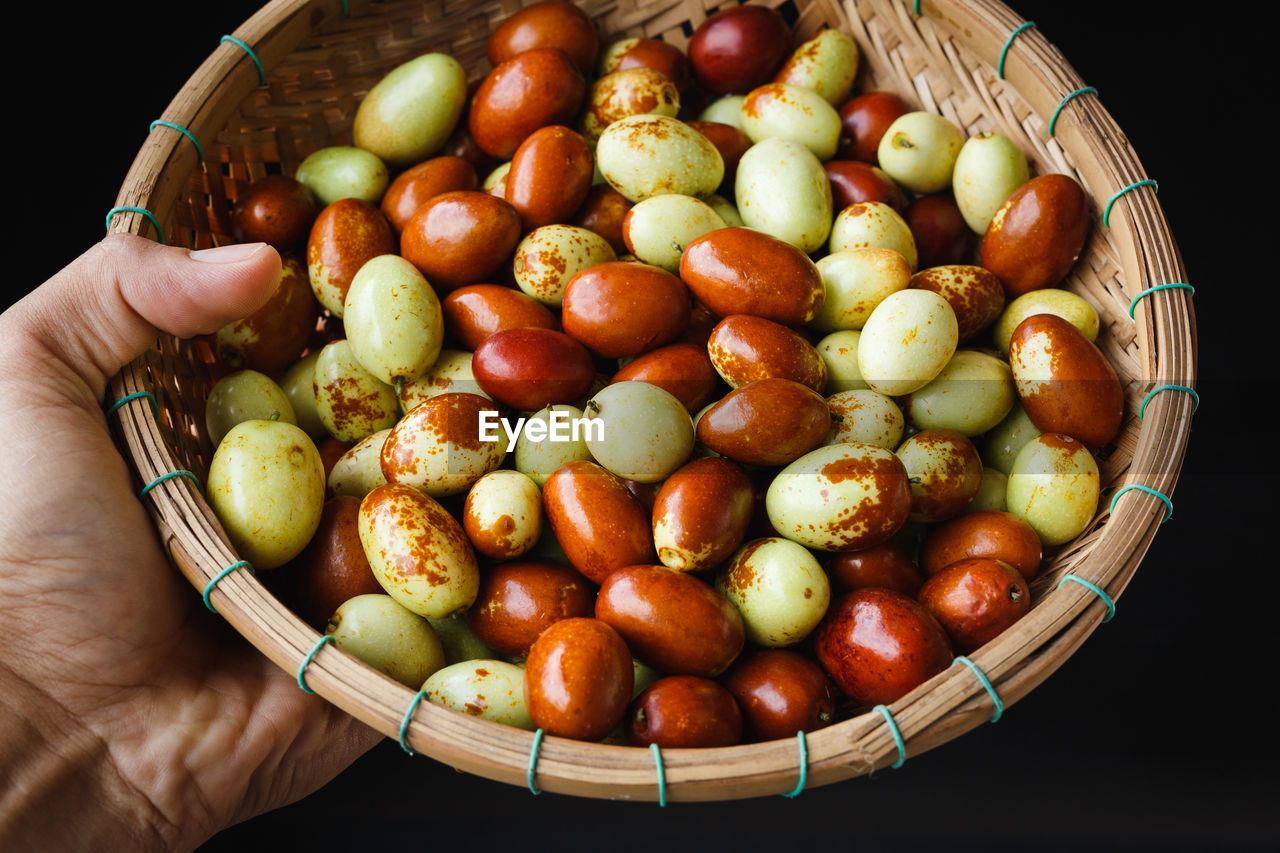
{"x":530,"y":368}
{"x":519,"y":600}
{"x":730,"y":141}
{"x":1064,"y":382}
{"x":767,"y":422}
{"x":350,"y":401}
{"x":412,"y":110}
{"x":388,"y":637}
{"x":345,"y":235}
{"x":476,"y":311}
{"x":578,"y":679}
{"x":864,"y":120}
{"x":627,"y":92}
{"x":415,"y":187}
{"x":779,"y":693}
{"x":549,"y":24}
{"x":779,"y":588}
{"x":792,"y":112}
{"x":739,"y":48}
{"x":885,"y":565}
{"x":682,"y":370}
{"x":393,"y":320}
{"x":645,"y":433}
{"x":647,"y":155}
{"x":682,"y":711}
{"x":907,"y":341}
{"x":945,"y":472}
{"x":603,"y":212}
{"x":701,"y":514}
{"x":941,"y":234}
{"x":460,"y":238}
{"x":1054,"y":486}
{"x":502,"y":514}
{"x":1036,"y":236}
{"x":781,"y":189}
{"x":333,"y":567}
{"x":275,"y":209}
{"x":878,"y":645}
{"x":664,"y":58}
{"x":550,"y":176}
{"x":671,"y":620}
{"x":599,"y":524}
{"x":439,"y":447}
{"x":623,"y":308}
{"x":974,"y":294}
{"x":271,"y":338}
{"x":853,"y":182}
{"x":744,"y":348}
{"x":994,"y":535}
{"x":548,"y":257}
{"x":530,"y":90}
{"x":974,"y":600}
{"x":482,"y":687}
{"x":742,"y":271}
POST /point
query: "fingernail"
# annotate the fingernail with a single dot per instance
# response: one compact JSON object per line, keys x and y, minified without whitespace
{"x":227,"y":254}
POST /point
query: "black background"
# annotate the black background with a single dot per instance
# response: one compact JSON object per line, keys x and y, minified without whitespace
{"x":1158,"y":733}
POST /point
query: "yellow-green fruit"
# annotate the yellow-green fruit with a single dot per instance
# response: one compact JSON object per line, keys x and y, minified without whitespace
{"x":638,"y":90}
{"x":495,"y":182}
{"x":779,"y":588}
{"x":388,"y":637}
{"x":1002,"y":443}
{"x":726,"y":110}
{"x":725,"y":209}
{"x":780,"y":111}
{"x":538,"y":459}
{"x":408,"y":114}
{"x":393,"y":320}
{"x":351,"y":402}
{"x":549,"y":256}
{"x":502,"y":514}
{"x":988,"y":169}
{"x":839,"y":351}
{"x":873,"y":225}
{"x":782,"y":190}
{"x":459,"y":641}
{"x":488,"y":689}
{"x":647,"y":432}
{"x":919,"y":151}
{"x":1054,"y":487}
{"x":644,"y":675}
{"x":266,"y":485}
{"x":359,"y":471}
{"x":1065,"y":304}
{"x":342,"y":171}
{"x":855,"y":281}
{"x":991,"y":494}
{"x":418,"y":551}
{"x":648,"y":155}
{"x":298,"y":385}
{"x":658,"y":228}
{"x":451,"y":374}
{"x":827,"y":64}
{"x":971,"y":395}
{"x":906,"y":342}
{"x":244,"y":396}
{"x":864,"y":417}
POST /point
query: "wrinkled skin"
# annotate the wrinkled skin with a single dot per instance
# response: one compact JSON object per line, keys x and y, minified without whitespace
{"x":127,"y":705}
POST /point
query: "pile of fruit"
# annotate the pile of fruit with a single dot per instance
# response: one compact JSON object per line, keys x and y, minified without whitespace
{"x":662,"y":432}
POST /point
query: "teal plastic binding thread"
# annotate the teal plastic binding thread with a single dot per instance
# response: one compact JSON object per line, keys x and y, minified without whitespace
{"x":1195,"y":398}
{"x":158,"y":480}
{"x":1097,"y":590}
{"x":897,"y":736}
{"x":302,"y":667}
{"x":136,"y":395}
{"x":208,"y":588}
{"x":916,"y":7}
{"x":533,"y":764}
{"x":1177,"y":285}
{"x":346,"y":10}
{"x":126,"y":209}
{"x":804,"y":765}
{"x":662,"y":775}
{"x":1168,"y":504}
{"x":188,"y":134}
{"x":408,"y":717}
{"x":262,"y":72}
{"x":1106,"y":214}
{"x":986,"y":684}
{"x":1053,"y":122}
{"x":1004,"y":51}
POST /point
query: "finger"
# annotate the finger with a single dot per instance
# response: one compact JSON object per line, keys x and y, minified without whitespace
{"x":103,"y":310}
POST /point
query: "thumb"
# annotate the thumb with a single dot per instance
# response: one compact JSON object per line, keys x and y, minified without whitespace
{"x":104,"y":309}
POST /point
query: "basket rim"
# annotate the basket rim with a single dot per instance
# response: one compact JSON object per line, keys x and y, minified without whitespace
{"x":944,"y":707}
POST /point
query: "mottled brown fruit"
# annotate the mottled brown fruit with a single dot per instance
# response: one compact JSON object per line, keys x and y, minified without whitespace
{"x":624,"y":308}
{"x":415,"y":187}
{"x":530,"y":368}
{"x":476,"y":311}
{"x":345,"y":235}
{"x":550,"y":176}
{"x":767,"y":422}
{"x":974,"y":600}
{"x":276,"y":210}
{"x":1036,"y":236}
{"x":744,"y":271}
{"x":533,"y":89}
{"x":744,"y":348}
{"x":991,"y":534}
{"x":600,"y":525}
{"x":780,"y":693}
{"x":521,"y":599}
{"x":271,"y":338}
{"x":578,"y":679}
{"x":975,"y":294}
{"x":701,"y":514}
{"x":671,"y":620}
{"x":885,"y":565}
{"x":460,"y":238}
{"x":333,"y":568}
{"x":683,"y":711}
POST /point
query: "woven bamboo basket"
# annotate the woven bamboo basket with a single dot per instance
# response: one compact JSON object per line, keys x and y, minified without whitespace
{"x":943,"y":55}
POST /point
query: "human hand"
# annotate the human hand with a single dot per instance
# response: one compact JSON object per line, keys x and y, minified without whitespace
{"x":130,"y":717}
